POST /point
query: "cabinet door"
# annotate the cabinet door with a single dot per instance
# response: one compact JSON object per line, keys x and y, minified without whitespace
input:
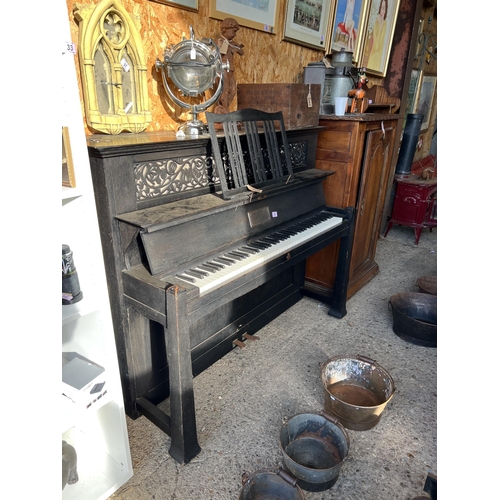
{"x":370,"y":204}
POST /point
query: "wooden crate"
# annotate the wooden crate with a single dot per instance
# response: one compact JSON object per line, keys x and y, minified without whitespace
{"x":290,"y":98}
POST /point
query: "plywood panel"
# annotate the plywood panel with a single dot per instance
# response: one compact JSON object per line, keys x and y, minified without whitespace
{"x":267,"y":59}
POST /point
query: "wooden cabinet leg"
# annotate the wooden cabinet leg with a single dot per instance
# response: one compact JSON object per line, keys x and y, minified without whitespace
{"x":184,"y":440}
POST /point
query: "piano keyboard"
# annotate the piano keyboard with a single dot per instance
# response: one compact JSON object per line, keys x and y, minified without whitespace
{"x":235,"y":263}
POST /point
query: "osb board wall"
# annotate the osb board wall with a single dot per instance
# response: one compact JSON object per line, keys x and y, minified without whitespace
{"x":267,"y":58}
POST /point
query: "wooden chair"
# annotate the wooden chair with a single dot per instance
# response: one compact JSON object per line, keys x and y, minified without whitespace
{"x":255,"y":152}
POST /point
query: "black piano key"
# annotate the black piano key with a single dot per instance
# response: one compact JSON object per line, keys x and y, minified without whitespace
{"x":259,"y":245}
{"x":249,"y":249}
{"x":224,"y":260}
{"x":186,"y":278}
{"x":243,"y":255}
{"x":216,"y":264}
{"x":209,"y":268}
{"x":289,"y":232}
{"x":233,"y":255}
{"x":271,"y":239}
{"x":195,"y":273}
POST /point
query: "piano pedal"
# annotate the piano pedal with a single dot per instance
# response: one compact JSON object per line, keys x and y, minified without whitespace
{"x":239,"y":343}
{"x":251,"y":337}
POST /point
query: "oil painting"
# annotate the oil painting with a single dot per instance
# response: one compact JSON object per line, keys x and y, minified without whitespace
{"x":379,"y":34}
{"x":346,"y":26}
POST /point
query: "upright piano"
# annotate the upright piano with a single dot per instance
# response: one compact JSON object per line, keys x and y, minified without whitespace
{"x":195,"y":267}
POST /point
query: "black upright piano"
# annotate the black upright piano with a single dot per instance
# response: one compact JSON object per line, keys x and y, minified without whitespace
{"x":196,"y":265}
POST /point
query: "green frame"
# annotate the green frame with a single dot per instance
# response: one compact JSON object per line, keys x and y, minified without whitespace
{"x":305,"y":35}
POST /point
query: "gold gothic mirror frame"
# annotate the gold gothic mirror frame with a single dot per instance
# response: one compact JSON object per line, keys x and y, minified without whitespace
{"x":113,"y":69}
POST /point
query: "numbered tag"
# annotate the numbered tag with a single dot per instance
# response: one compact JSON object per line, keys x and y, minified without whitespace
{"x":69,"y":48}
{"x":309,"y":98}
{"x":224,"y":47}
{"x":327,"y":63}
{"x":125,"y":65}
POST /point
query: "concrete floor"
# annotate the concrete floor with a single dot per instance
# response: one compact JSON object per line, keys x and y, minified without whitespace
{"x":243,"y":399}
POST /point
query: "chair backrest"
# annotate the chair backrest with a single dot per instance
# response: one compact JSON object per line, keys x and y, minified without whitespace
{"x":255,"y":152}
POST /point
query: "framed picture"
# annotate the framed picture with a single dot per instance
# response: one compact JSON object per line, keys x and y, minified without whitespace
{"x":378,"y":37}
{"x":68,"y":172}
{"x":257,"y":14}
{"x":346,"y":27}
{"x":413,"y":90}
{"x":181,"y":4}
{"x":306,"y":22}
{"x":426,"y":99}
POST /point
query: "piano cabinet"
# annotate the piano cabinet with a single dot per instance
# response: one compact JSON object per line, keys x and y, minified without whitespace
{"x":359,"y":149}
{"x":156,"y":194}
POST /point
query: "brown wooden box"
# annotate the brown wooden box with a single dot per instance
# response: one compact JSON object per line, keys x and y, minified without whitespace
{"x":290,"y":98}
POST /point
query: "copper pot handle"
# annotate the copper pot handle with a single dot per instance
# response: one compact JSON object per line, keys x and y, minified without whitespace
{"x":366,"y":359}
{"x":329,"y":417}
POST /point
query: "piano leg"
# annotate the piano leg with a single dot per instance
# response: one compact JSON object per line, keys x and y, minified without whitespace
{"x":339,"y":293}
{"x":184,"y":440}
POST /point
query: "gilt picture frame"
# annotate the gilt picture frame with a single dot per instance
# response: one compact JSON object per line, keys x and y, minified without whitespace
{"x":191,"y":5}
{"x":379,"y":33}
{"x":68,"y":171}
{"x":426,"y":99}
{"x":256,"y":14}
{"x":346,"y":27}
{"x":306,"y":24}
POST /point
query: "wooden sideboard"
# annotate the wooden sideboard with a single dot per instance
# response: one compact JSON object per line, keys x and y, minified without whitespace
{"x":359,"y":149}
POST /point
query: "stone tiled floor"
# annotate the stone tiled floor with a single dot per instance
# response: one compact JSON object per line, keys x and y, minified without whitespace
{"x":243,"y":399}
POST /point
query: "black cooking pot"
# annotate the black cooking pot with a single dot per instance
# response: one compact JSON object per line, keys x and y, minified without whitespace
{"x":274,"y":484}
{"x":415,"y":317}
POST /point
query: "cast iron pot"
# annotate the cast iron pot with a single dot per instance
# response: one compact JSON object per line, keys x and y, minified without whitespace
{"x":273,"y":484}
{"x":314,"y":446}
{"x":415,"y":317}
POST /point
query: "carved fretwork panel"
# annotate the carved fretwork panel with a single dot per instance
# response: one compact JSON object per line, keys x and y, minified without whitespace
{"x":298,"y":154}
{"x":113,"y":69}
{"x":167,"y":177}
{"x":172,"y":176}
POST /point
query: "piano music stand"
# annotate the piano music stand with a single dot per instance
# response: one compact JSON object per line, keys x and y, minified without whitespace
{"x":268,"y":162}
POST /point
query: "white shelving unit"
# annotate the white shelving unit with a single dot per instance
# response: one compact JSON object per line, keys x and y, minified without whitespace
{"x":99,"y":433}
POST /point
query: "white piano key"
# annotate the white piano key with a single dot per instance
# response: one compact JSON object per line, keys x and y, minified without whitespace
{"x":236,"y":268}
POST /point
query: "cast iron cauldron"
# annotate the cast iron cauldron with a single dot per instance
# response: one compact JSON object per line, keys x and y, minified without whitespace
{"x":415,"y":317}
{"x":314,"y":446}
{"x":272,"y":484}
{"x":356,"y":390}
